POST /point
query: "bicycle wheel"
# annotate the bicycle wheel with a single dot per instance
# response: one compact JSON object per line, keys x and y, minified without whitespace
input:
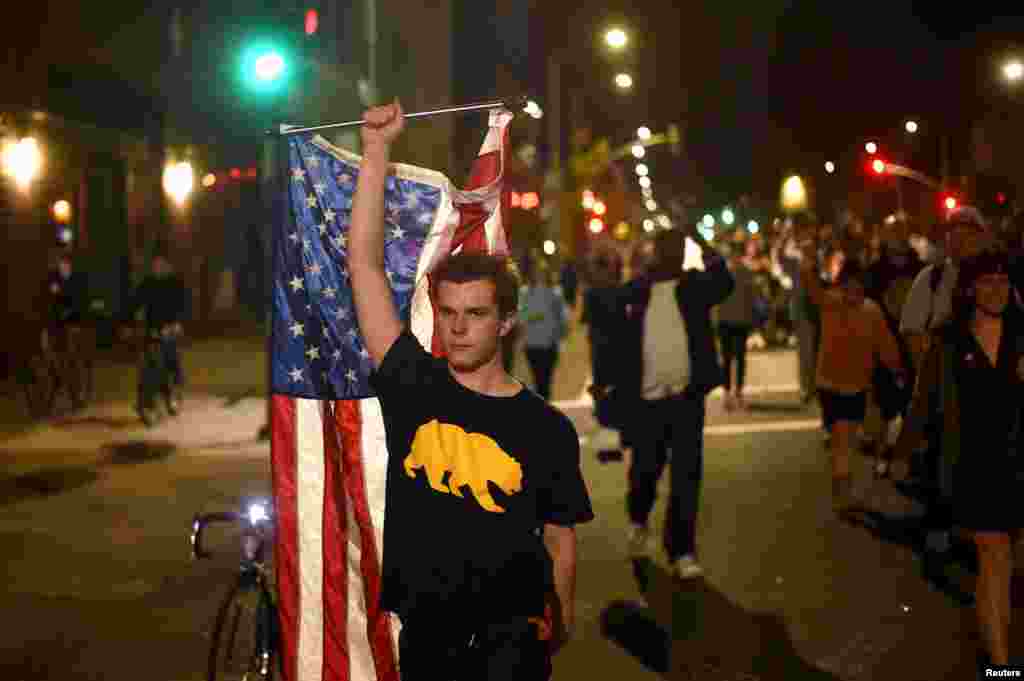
{"x":39,"y":384}
{"x":242,"y":649}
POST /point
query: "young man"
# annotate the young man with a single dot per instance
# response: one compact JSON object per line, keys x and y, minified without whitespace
{"x":480,"y":546}
{"x":162,"y":296}
{"x":672,"y":365}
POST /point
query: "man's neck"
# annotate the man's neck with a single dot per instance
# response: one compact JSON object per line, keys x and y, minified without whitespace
{"x":489,"y":379}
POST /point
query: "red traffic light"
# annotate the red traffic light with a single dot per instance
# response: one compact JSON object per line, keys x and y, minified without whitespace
{"x":1001,"y":198}
{"x":949,"y":202}
{"x":878,"y":166}
{"x":312,"y":21}
{"x":600,"y":208}
{"x":596,"y":225}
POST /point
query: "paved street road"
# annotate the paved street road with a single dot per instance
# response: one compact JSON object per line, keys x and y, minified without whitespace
{"x":94,"y":513}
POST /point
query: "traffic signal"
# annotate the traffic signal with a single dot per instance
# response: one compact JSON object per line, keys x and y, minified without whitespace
{"x":878,"y":166}
{"x":596,"y":225}
{"x":266,"y":67}
{"x":950,"y":202}
{"x":312,"y":21}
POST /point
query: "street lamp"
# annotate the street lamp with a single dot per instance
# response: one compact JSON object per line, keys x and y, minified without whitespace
{"x":638,"y":151}
{"x":616,"y":38}
{"x":645,"y":182}
{"x":728,"y":217}
{"x":642,"y":169}
{"x":830,"y":167}
{"x":22,"y":161}
{"x":549,"y":247}
{"x":1013,"y":70}
{"x":643,"y":133}
{"x":708,"y":220}
{"x":651,"y":205}
{"x":794,"y":195}
{"x":624,"y":81}
{"x":911,"y":127}
{"x":871,"y":147}
{"x":179,"y":180}
{"x":62,"y":211}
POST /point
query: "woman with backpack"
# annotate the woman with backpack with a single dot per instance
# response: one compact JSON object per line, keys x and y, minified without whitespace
{"x":970,"y":392}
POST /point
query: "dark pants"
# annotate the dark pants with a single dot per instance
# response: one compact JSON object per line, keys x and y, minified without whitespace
{"x":542,"y":363}
{"x":677,"y":423}
{"x":440,"y":649}
{"x":734,"y":346}
{"x":160,"y":371}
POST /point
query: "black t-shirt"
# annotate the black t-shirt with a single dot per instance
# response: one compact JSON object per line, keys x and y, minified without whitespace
{"x":471,"y":481}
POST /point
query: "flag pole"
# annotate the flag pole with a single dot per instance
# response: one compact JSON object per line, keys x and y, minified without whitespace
{"x":512,"y":103}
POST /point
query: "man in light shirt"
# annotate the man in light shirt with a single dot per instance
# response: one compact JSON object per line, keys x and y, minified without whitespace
{"x":675,"y":365}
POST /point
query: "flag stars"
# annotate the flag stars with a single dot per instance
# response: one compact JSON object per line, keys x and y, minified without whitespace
{"x":297,"y":330}
{"x":298,"y":174}
{"x":311,"y":201}
{"x":391,"y":277}
{"x":322,"y":228}
{"x":364,"y":353}
{"x":296,"y":375}
{"x":398,"y":233}
{"x":296,"y":284}
{"x":330,"y":292}
{"x":313,"y":353}
{"x":341,"y":241}
{"x":329,"y":215}
{"x":307,"y":244}
{"x":336,"y":356}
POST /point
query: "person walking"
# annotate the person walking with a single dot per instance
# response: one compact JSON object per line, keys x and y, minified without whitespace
{"x":853,"y":334}
{"x":787,"y":256}
{"x":670,"y":319}
{"x":970,"y":389}
{"x":545,"y":320}
{"x":735,"y":322}
{"x":484,"y":488}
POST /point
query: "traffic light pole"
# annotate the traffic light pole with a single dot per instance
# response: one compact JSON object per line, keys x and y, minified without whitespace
{"x":274,"y":204}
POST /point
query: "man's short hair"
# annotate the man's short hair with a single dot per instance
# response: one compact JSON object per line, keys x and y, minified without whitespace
{"x":466,"y":267}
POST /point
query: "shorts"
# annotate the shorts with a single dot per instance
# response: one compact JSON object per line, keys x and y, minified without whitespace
{"x":842,"y":407}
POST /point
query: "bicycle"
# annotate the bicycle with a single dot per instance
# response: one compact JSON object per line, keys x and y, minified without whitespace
{"x":245,"y":633}
{"x":62,"y":364}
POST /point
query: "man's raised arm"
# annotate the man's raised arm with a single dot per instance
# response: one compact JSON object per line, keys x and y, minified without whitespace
{"x":371,"y":291}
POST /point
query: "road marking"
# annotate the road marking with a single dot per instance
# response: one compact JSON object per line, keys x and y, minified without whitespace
{"x":585,"y":400}
{"x":763,"y":427}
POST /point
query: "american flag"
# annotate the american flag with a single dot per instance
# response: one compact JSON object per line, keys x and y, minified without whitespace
{"x":328,"y":452}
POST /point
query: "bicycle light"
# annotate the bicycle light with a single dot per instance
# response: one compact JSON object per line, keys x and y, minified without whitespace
{"x":257,"y":513}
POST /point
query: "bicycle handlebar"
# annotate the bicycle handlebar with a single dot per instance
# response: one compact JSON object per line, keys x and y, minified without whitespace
{"x":199,"y":523}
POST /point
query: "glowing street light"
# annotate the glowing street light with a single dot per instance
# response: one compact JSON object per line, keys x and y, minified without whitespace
{"x":638,"y":151}
{"x":616,"y":38}
{"x":911,"y":127}
{"x":643,"y":133}
{"x":871,"y":148}
{"x":1013,"y":70}
{"x":651,"y":205}
{"x":708,"y":220}
{"x":533,"y":109}
{"x":642,"y":169}
{"x":209,"y":180}
{"x":179,"y":180}
{"x":728,"y":217}
{"x":648,"y":225}
{"x":753,"y":227}
{"x":549,"y":247}
{"x":62,"y":211}
{"x":22,"y":161}
{"x":645,"y":182}
{"x":624,"y":81}
{"x":830,"y":167}
{"x":794,"y":195}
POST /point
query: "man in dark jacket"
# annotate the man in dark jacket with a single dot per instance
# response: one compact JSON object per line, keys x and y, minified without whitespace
{"x":676,"y":365}
{"x":163,"y":298}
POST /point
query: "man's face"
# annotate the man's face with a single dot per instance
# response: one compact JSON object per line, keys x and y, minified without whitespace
{"x":470,"y":325}
{"x":992,"y":293}
{"x":965,"y":240}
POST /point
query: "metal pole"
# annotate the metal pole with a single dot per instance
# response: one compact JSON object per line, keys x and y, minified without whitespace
{"x":371,"y":40}
{"x":517,"y":104}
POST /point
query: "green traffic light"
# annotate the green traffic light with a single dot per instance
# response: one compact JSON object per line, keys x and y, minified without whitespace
{"x":265,"y":69}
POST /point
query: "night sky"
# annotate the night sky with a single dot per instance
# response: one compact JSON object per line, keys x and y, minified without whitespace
{"x":769,"y":86}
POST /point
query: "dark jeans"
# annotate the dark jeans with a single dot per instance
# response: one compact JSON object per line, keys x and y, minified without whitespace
{"x":734,"y":346}
{"x":542,"y":363}
{"x":440,"y":649}
{"x":160,"y":370}
{"x":677,"y":423}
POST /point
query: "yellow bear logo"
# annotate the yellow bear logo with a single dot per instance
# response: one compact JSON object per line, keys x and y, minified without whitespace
{"x":472,"y":459}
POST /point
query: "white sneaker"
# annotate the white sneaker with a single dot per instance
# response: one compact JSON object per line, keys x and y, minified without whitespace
{"x":639,"y":542}
{"x":687,"y":567}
